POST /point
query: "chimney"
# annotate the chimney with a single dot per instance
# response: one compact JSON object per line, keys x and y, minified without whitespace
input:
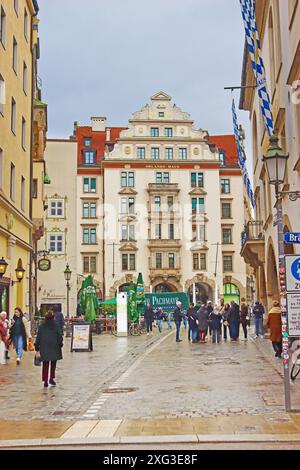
{"x":98,"y":123}
{"x":108,"y":135}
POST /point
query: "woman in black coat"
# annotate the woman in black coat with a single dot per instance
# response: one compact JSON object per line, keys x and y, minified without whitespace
{"x":49,"y":342}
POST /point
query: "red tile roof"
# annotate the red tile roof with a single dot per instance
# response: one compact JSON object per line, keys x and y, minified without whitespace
{"x":98,"y":141}
{"x":228,"y":145}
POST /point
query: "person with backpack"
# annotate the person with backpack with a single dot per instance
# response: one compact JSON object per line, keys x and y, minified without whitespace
{"x":258,"y":313}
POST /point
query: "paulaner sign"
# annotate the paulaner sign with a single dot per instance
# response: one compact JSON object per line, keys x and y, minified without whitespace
{"x":167,"y":300}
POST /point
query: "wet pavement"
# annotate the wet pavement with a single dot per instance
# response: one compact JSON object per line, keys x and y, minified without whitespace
{"x":149,"y":386}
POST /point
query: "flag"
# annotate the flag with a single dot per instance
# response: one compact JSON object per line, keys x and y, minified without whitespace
{"x":253,"y":43}
{"x":242,"y":156}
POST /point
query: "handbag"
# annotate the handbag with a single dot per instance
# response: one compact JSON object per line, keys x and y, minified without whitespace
{"x":30,"y":345}
{"x":37,"y":360}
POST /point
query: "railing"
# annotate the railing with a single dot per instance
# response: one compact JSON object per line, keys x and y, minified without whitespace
{"x":253,"y":231}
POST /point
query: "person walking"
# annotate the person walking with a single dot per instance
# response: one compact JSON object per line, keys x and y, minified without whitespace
{"x":6,"y":324}
{"x":216,"y":324}
{"x":19,"y":333}
{"x":60,"y":320}
{"x":234,"y":321}
{"x":258,"y":313}
{"x":274,"y":323}
{"x":169,"y":318}
{"x":244,"y":318}
{"x":177,"y":319}
{"x":225,"y":312}
{"x":149,"y":317}
{"x":159,"y":319}
{"x":191,"y":318}
{"x":49,"y":343}
{"x":210,"y":310}
{"x":202,"y":317}
{"x":3,"y":338}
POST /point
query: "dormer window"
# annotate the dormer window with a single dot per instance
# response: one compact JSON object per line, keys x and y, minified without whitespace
{"x":89,"y":157}
{"x":87,"y":142}
{"x":222,"y":155}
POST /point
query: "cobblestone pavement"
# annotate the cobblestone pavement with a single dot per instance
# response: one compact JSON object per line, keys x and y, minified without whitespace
{"x":149,"y":377}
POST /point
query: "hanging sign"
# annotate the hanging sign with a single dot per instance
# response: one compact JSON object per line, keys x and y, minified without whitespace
{"x":44,"y":264}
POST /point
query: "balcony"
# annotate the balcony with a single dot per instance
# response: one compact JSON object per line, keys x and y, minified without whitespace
{"x":165,"y":274}
{"x":165,"y":188}
{"x":253,"y":244}
{"x":164,"y":244}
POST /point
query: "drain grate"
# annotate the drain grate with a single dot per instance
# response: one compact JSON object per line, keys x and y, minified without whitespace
{"x":120,"y":390}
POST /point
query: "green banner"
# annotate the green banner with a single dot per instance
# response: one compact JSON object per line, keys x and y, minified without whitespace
{"x":167,"y":301}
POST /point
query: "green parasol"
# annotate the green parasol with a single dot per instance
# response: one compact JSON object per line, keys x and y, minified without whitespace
{"x":132,"y":307}
{"x":140,"y":294}
{"x":88,"y":300}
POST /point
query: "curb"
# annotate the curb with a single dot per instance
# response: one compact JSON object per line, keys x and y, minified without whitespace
{"x":177,"y":439}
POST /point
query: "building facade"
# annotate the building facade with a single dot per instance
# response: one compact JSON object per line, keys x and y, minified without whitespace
{"x":173,"y":207}
{"x":278,"y":24}
{"x":17,"y":62}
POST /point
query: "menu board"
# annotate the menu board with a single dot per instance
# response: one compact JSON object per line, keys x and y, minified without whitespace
{"x":81,"y":337}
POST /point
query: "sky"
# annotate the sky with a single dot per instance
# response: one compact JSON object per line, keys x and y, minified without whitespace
{"x":110,"y":57}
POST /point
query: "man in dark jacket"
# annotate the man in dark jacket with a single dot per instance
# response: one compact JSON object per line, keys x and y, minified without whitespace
{"x":258,"y":313}
{"x":191,"y":316}
{"x":209,"y":310}
{"x":234,"y":321}
{"x":177,"y":319}
{"x":149,"y":317}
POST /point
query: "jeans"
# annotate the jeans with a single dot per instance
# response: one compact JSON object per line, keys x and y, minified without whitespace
{"x":18,"y":344}
{"x":195,"y":334}
{"x":45,"y":371}
{"x":169,"y":324}
{"x":160,"y":325}
{"x":234,"y":330}
{"x":148,"y":325}
{"x":185,"y":322}
{"x":259,"y":326}
{"x":178,"y":325}
{"x":216,"y":336}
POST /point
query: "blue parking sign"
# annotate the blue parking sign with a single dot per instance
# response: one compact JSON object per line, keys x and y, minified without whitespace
{"x":295,"y":269}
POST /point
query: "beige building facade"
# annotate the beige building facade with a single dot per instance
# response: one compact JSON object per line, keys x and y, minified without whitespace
{"x":278,"y":23}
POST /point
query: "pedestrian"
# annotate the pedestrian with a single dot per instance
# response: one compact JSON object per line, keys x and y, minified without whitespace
{"x":169,"y":320}
{"x":185,"y":319}
{"x":216,"y":324}
{"x":258,"y":313}
{"x":202,"y":317}
{"x":6,"y":324}
{"x":209,"y":309}
{"x":3,"y":338}
{"x":178,"y":315}
{"x":159,"y":319}
{"x":275,"y":324}
{"x":234,"y":321}
{"x":191,"y":317}
{"x":244,"y":318}
{"x":225,"y":312}
{"x":19,"y":333}
{"x":49,"y":343}
{"x":59,"y":319}
{"x":149,"y":317}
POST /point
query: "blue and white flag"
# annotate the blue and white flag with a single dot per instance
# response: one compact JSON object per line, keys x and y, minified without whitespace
{"x":242,"y":155}
{"x":252,"y":38}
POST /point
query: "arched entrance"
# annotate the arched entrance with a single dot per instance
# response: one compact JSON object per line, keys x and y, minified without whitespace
{"x":123,"y":288}
{"x":204,"y":292}
{"x":164,"y":287}
{"x":272,"y":278}
{"x":231,"y":293}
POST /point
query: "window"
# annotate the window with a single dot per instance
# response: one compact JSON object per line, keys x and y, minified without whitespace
{"x":13,"y":116}
{"x":87,"y":142}
{"x":158,"y":260}
{"x":225,"y":186}
{"x":227,"y":263}
{"x":171,"y":260}
{"x":1,"y":168}
{"x":157,"y":203}
{"x":199,"y":261}
{"x":23,"y":193}
{"x":155,"y":153}
{"x":89,"y":236}
{"x":56,"y":243}
{"x":154,"y":132}
{"x":171,"y":232}
{"x":199,"y":232}
{"x":90,"y":264}
{"x":170,"y":202}
{"x":24,"y":78}
{"x":222,"y":157}
{"x":16,"y":6}
{"x":169,"y":155}
{"x":127,"y":179}
{"x":89,"y":210}
{"x":25,"y":24}
{"x":89,"y":157}
{"x":197,"y":180}
{"x":227,"y":236}
{"x":23,"y":138}
{"x":198,"y":205}
{"x":168,"y":132}
{"x":128,"y":262}
{"x":162,"y":178}
{"x":127,"y":205}
{"x":141,"y":153}
{"x":2,"y":94}
{"x":128,"y":232}
{"x":15,"y":55}
{"x":182,"y":153}
{"x":89,"y":185}
{"x":34,"y":188}
{"x":3,"y":27}
{"x":56,"y":208}
{"x":226,"y":210}
{"x":157,"y":231}
{"x":12,"y":181}
{"x":161,"y":114}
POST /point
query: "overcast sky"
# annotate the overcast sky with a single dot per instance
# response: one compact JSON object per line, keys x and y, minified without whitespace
{"x":107,"y":57}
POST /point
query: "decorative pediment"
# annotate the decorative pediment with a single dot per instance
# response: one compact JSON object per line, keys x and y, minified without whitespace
{"x":128,"y":246}
{"x":161,"y":96}
{"x":199,"y":246}
{"x":199,"y":218}
{"x":127,"y":218}
{"x":128,"y":192}
{"x":197,"y":192}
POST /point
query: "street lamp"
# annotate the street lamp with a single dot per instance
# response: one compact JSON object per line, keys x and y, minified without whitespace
{"x":3,"y":267}
{"x":20,"y":271}
{"x":68,"y":274}
{"x":276,"y":161}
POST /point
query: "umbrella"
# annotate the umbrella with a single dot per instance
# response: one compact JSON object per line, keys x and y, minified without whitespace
{"x":140,"y":294}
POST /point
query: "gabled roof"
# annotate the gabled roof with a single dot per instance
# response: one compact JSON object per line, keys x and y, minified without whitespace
{"x":228,"y":144}
{"x":161,"y":96}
